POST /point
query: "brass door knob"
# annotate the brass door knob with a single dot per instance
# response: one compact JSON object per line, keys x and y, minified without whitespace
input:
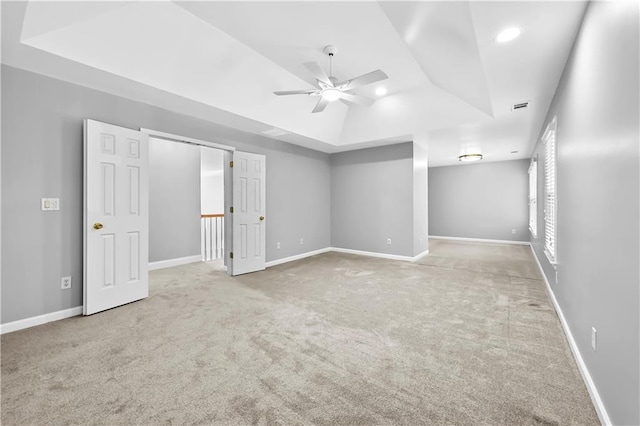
{"x":261,"y":217}
{"x":97,"y":226}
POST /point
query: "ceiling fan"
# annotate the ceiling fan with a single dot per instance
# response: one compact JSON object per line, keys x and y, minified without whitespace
{"x":329,"y":89}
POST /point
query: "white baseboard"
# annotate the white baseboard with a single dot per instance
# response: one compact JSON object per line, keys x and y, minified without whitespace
{"x":380,"y":255}
{"x":40,"y":319}
{"x":372,"y":254}
{"x":420,"y":256}
{"x":348,"y":251}
{"x":584,"y":371}
{"x":297,"y":257}
{"x":480,"y":240}
{"x":161,"y":264}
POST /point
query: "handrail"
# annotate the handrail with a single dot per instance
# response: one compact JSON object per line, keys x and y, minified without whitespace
{"x":212,"y":215}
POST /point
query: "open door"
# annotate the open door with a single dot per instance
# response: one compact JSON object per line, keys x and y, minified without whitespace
{"x":249,"y":206}
{"x":116,"y":216}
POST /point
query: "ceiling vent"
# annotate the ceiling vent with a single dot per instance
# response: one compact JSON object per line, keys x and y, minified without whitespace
{"x":520,"y":105}
{"x":274,"y":132}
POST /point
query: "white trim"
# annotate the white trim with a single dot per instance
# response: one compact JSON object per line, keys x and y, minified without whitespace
{"x":380,"y":255}
{"x":348,"y":251}
{"x":40,"y":319}
{"x":480,"y":240}
{"x":420,"y":256}
{"x":297,"y":257}
{"x":584,"y":371}
{"x":178,"y":138}
{"x":161,"y":264}
{"x":372,"y":254}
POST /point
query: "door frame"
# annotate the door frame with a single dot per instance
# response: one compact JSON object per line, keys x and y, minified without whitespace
{"x":227,"y":178}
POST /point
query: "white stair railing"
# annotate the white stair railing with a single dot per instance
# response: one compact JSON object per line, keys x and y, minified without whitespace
{"x":212,"y":231}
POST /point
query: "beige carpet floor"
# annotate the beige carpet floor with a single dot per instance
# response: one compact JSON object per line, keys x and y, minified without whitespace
{"x":466,"y":336}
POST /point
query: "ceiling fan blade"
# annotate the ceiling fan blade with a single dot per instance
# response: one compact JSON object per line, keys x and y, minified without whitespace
{"x":316,"y":70}
{"x":364,"y":79}
{"x":356,"y":99}
{"x":294,"y":92}
{"x":321,"y":105}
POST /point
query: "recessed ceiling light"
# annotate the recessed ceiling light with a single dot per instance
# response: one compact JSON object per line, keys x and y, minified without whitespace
{"x":381,"y":91}
{"x":467,"y":158}
{"x":508,"y":35}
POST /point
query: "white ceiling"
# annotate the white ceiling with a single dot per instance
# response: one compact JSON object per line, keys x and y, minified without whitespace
{"x":450,"y":85}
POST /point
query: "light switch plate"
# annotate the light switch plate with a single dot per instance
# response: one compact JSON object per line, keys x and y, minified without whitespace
{"x":49,"y":204}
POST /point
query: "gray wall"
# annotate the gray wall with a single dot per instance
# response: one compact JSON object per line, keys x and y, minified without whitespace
{"x":596,"y":105}
{"x":484,"y":200}
{"x":42,"y":157}
{"x":372,"y":199}
{"x":174,"y":200}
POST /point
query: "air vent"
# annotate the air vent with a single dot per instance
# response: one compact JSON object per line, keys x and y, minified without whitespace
{"x":275,"y":132}
{"x":521,"y":105}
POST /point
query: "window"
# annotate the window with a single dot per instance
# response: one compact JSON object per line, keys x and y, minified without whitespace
{"x":550,"y":196}
{"x":533,"y":197}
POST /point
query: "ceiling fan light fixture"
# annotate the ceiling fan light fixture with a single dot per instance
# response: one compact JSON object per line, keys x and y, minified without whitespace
{"x":468,"y":158}
{"x":508,"y":34}
{"x":331,"y":94}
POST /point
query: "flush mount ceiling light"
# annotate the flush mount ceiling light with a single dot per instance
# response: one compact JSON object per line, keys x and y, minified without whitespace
{"x":508,"y":35}
{"x":468,"y":158}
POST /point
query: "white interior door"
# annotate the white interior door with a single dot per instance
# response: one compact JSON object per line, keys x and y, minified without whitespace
{"x":116,"y":216}
{"x":249,"y":206}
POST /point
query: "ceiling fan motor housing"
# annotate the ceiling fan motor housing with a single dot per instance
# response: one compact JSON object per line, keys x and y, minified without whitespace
{"x":330,"y":50}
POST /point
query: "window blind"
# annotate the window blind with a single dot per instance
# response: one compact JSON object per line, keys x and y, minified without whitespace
{"x":533,"y":197}
{"x":550,"y":207}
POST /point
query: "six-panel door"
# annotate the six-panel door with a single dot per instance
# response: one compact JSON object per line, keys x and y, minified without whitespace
{"x":249,"y":205}
{"x":116,"y":217}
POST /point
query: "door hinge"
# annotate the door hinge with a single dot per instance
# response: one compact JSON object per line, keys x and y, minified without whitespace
{"x":230,"y":163}
{"x":231,"y":255}
{"x":231,"y":210}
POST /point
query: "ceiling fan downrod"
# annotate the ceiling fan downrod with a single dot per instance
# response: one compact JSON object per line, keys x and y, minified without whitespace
{"x":330,"y":50}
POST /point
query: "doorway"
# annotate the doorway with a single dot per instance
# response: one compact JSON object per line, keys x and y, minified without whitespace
{"x":212,"y":215}
{"x":244,"y":189}
{"x":116,"y":216}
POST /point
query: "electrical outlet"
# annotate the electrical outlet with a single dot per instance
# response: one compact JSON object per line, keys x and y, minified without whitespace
{"x":278,"y":245}
{"x":301,"y":240}
{"x":513,"y":231}
{"x":388,"y":241}
{"x":48,"y":204}
{"x":65,"y":283}
{"x":594,"y":338}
